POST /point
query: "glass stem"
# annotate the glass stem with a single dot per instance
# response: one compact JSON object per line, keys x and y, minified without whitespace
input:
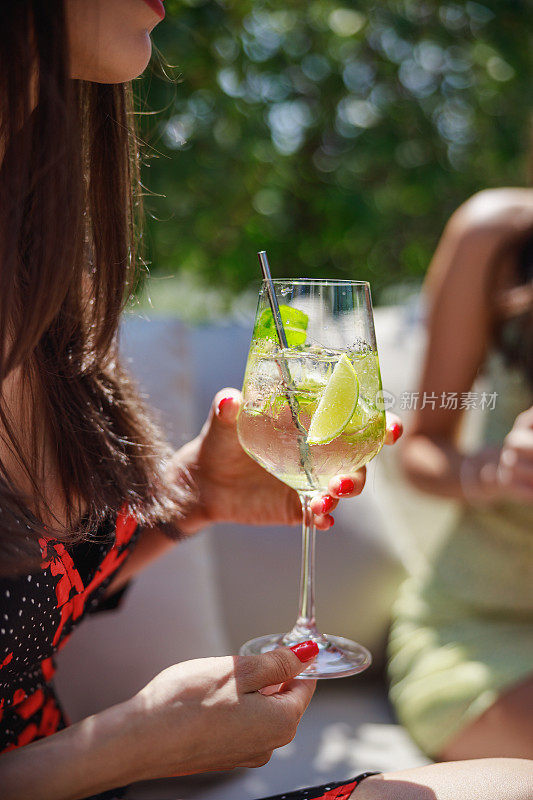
{"x":305,"y":627}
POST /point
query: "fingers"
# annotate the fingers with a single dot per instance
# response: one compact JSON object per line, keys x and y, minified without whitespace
{"x":298,"y":691}
{"x":323,"y":504}
{"x":283,"y":707}
{"x":343,"y":486}
{"x":253,"y":673}
{"x":283,"y":702}
{"x":394,"y":429}
{"x":286,"y":708}
{"x":226,"y":404}
{"x":269,"y":690}
{"x":323,"y":522}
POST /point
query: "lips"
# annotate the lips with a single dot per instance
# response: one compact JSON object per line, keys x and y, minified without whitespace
{"x":157,"y":7}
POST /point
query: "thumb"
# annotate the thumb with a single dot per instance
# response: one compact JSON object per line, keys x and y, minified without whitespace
{"x":253,"y":673}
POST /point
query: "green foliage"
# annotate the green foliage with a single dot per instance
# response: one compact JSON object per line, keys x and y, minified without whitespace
{"x":337,"y":137}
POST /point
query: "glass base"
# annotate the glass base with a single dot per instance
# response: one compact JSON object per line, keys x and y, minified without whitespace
{"x":337,"y":657}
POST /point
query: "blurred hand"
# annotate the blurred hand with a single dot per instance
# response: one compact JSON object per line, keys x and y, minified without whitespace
{"x":515,"y":468}
{"x":226,"y":485}
{"x":209,"y":714}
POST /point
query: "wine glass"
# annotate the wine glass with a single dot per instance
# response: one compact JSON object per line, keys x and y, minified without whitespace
{"x":311,"y":411}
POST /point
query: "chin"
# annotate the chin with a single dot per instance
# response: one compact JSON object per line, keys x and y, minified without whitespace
{"x":119,"y":69}
{"x":136,"y":66}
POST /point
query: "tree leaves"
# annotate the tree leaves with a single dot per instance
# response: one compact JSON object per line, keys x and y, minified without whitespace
{"x":338,"y":138}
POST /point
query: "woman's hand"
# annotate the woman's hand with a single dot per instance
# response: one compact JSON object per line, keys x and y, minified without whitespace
{"x":514,"y":474}
{"x":226,"y":485}
{"x":196,"y":716}
{"x":210,"y":714}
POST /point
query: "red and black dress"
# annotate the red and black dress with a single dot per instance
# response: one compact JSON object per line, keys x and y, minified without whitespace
{"x":327,"y":791}
{"x":38,"y":612}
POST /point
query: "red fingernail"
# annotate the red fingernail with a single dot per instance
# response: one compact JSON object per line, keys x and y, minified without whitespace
{"x":331,"y":520}
{"x":346,"y":486}
{"x":396,"y":430}
{"x":305,"y":650}
{"x":326,"y":504}
{"x":223,"y":402}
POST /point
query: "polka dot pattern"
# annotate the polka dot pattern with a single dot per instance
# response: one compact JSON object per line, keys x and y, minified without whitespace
{"x":328,"y":791}
{"x":38,"y":612}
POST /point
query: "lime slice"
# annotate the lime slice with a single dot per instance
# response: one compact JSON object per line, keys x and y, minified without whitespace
{"x":359,"y":418}
{"x":294,"y":322}
{"x":336,"y":405}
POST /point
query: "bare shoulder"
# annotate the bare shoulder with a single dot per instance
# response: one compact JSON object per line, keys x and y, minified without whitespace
{"x":485,"y":230}
{"x":505,"y":211}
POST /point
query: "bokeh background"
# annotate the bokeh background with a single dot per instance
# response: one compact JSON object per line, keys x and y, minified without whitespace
{"x":338,"y":137}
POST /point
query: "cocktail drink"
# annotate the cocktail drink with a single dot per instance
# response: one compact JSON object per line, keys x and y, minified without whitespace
{"x":312,"y":411}
{"x":266,"y":426}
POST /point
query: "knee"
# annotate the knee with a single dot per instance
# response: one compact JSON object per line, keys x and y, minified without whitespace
{"x":503,"y":730}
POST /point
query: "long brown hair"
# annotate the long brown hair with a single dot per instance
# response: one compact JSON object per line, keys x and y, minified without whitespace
{"x":68,"y":213}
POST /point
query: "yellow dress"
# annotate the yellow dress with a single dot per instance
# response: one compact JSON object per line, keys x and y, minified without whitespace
{"x":463,"y":631}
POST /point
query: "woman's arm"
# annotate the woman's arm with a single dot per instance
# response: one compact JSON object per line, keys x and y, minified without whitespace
{"x":193,"y":717}
{"x":462,"y":287}
{"x":89,"y":757}
{"x":483,"y":779}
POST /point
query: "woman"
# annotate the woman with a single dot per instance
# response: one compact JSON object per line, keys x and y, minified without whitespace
{"x":84,"y":500}
{"x":82,"y":494}
{"x":462,"y":642}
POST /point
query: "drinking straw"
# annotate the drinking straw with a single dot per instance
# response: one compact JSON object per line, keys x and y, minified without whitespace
{"x":290,"y":391}
{"x":273,"y":300}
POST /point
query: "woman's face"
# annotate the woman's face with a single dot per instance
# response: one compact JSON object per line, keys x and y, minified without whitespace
{"x":110,"y":39}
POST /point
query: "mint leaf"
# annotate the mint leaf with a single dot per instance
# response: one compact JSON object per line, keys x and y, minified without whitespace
{"x":294,"y":322}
